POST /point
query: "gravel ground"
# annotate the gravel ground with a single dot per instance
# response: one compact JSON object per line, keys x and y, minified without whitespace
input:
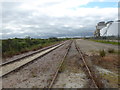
{"x":37,"y":74}
{"x":71,"y":74}
{"x":110,"y":77}
{"x":12,"y":66}
{"x":92,"y":48}
{"x":106,"y":66}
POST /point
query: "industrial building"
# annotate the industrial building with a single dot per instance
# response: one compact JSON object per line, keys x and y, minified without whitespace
{"x":99,"y":26}
{"x":109,"y":28}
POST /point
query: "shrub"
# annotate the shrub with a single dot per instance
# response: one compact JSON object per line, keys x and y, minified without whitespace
{"x":102,"y":53}
{"x":111,"y":50}
{"x":15,"y":46}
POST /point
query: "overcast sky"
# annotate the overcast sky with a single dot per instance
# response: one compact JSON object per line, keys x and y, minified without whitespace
{"x":55,"y":18}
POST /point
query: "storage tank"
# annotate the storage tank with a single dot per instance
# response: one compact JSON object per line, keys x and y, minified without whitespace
{"x":111,"y":29}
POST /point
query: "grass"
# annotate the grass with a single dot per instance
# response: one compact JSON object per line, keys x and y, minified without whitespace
{"x":112,"y":79}
{"x":15,"y":46}
{"x":102,"y":53}
{"x":109,"y":62}
{"x":118,"y":52}
{"x":107,"y":42}
{"x":97,"y":78}
{"x":62,"y":68}
{"x":111,"y":50}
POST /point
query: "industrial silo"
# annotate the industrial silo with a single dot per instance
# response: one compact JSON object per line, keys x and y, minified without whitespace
{"x":111,"y":29}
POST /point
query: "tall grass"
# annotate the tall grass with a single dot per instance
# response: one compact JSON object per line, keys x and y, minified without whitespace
{"x":111,"y":50}
{"x":15,"y":46}
{"x":102,"y":53}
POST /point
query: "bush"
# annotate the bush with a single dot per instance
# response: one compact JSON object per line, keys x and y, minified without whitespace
{"x":15,"y":46}
{"x":111,"y":50}
{"x":102,"y":53}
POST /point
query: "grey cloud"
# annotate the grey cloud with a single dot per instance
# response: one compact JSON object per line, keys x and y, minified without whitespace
{"x":41,"y":26}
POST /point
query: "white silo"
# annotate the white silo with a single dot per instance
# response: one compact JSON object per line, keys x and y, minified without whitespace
{"x":111,"y":29}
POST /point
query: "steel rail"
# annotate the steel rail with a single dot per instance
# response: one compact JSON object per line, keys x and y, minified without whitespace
{"x":35,"y":52}
{"x":57,"y":71}
{"x":87,"y":68}
{"x":42,"y":53}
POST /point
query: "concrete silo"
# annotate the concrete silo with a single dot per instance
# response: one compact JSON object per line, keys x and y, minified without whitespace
{"x":111,"y":29}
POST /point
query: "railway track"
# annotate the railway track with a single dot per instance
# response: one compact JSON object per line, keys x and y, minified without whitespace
{"x":86,"y":66}
{"x":8,"y":67}
{"x":11,"y":66}
{"x":56,"y":73}
{"x":83,"y":60}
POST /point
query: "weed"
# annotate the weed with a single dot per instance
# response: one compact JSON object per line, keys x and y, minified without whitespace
{"x":33,"y":74}
{"x":111,"y":50}
{"x":62,"y":68}
{"x":112,"y":79}
{"x":118,"y":52}
{"x":15,"y":46}
{"x":102,"y":53}
{"x":34,"y":87}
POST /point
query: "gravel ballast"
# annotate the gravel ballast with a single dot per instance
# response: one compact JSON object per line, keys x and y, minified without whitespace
{"x":37,"y":74}
{"x":71,"y":74}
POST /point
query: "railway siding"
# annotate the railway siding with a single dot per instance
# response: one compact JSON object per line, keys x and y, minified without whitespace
{"x":72,"y":70}
{"x":12,"y":66}
{"x":38,"y":73}
{"x":70,"y":73}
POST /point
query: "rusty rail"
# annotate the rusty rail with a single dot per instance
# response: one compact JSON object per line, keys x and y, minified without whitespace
{"x":56,"y":73}
{"x":86,"y":66}
{"x":20,"y":59}
{"x":35,"y":52}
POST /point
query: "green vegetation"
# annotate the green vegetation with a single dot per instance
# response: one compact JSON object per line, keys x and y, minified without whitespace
{"x":15,"y":46}
{"x":111,"y":78}
{"x":118,"y":52}
{"x":102,"y":53}
{"x":111,"y":50}
{"x":107,"y":42}
{"x":62,"y":68}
